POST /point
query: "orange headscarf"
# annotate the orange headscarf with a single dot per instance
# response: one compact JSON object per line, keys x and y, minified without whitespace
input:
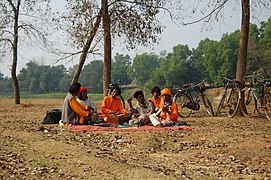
{"x":165,"y":91}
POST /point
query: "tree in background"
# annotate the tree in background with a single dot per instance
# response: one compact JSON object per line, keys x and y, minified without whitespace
{"x":253,"y":57}
{"x":228,"y":53}
{"x":92,"y":76}
{"x":133,"y":22}
{"x":5,"y":84}
{"x":207,"y":59}
{"x":174,"y":69}
{"x":182,"y":66}
{"x":143,"y":68}
{"x":264,"y":49}
{"x":65,"y":82}
{"x":120,"y":68}
{"x":40,"y":79}
{"x":14,"y":28}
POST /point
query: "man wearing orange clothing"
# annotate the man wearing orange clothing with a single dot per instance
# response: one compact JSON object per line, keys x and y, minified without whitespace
{"x":112,"y":105}
{"x":169,"y":108}
{"x":74,"y":112}
{"x":156,"y":99}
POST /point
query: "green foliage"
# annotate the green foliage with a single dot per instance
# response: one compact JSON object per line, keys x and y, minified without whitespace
{"x":143,"y":67}
{"x":120,"y":68}
{"x":57,"y":95}
{"x":175,"y":68}
{"x":5,"y":84}
{"x":40,"y":79}
{"x":92,"y":76}
{"x":211,"y":60}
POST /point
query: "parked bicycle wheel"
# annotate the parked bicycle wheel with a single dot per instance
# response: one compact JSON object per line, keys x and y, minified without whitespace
{"x":221,"y":104}
{"x":261,"y":108}
{"x":250,"y":101}
{"x":233,"y":102}
{"x":267,"y":104}
{"x":183,"y":101}
{"x":208,"y":105}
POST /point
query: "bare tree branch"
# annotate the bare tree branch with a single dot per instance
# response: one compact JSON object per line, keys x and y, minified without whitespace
{"x":216,"y":9}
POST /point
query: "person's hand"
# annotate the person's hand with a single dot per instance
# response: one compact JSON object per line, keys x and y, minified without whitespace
{"x":129,"y":101}
{"x":165,"y":109}
{"x":90,"y":113}
{"x":169,"y":109}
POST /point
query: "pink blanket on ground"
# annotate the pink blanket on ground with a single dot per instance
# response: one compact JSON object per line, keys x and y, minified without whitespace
{"x":77,"y":128}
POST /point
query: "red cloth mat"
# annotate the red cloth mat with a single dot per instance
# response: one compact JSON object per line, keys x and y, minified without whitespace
{"x":77,"y":128}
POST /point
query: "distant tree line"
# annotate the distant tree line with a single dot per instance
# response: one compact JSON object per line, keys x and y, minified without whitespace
{"x":211,"y":60}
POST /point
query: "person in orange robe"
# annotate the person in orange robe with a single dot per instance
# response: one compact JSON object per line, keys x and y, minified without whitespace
{"x":156,"y":99}
{"x":112,"y":105}
{"x":74,"y":112}
{"x":169,"y":108}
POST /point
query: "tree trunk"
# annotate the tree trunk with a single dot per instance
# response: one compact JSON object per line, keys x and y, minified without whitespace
{"x":243,"y":43}
{"x":107,"y":47}
{"x":15,"y":54}
{"x":84,"y":53}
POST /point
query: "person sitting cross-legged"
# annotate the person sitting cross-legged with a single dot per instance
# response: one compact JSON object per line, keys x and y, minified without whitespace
{"x":85,"y":100}
{"x":169,"y":108}
{"x":141,"y":112}
{"x":74,"y":112}
{"x":112,"y":106}
{"x":167,"y":115}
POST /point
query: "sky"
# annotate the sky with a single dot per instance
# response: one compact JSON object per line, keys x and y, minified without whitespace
{"x":173,"y":35}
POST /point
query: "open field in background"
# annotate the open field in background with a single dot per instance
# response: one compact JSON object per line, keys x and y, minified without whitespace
{"x":214,"y":96}
{"x":216,"y":148}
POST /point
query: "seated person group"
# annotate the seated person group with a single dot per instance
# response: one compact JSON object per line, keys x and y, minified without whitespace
{"x":158,"y":110}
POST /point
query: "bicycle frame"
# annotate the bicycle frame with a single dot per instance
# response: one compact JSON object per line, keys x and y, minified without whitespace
{"x":187,"y":101}
{"x":250,"y":96}
{"x":259,"y":104}
{"x":233,"y":84}
{"x":229,"y":83}
{"x":265,"y":83}
{"x":195,"y":101}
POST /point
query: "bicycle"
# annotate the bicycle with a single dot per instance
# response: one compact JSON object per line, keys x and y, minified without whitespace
{"x":233,"y":101}
{"x":113,"y":85}
{"x":257,"y":105}
{"x":186,"y":103}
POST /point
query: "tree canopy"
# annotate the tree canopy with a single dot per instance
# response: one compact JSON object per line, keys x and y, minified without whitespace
{"x":211,"y":60}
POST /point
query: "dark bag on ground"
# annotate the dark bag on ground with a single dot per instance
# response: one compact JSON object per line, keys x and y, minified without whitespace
{"x":52,"y":116}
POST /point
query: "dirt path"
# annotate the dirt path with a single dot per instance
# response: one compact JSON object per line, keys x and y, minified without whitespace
{"x":217,"y":147}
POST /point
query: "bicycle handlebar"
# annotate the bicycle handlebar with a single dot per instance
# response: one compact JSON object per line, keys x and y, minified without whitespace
{"x":115,"y":84}
{"x":191,"y":85}
{"x":227,"y":79}
{"x":198,"y":84}
{"x":266,"y":82}
{"x":231,"y":80}
{"x":255,"y":74}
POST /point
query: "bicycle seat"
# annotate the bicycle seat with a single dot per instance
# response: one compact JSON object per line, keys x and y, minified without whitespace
{"x":187,"y":85}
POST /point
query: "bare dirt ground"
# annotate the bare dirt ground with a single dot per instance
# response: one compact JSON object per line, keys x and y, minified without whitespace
{"x":216,"y":148}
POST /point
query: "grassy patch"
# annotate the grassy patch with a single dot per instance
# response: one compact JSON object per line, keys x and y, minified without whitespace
{"x":94,"y":97}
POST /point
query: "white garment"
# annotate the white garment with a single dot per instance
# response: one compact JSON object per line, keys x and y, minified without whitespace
{"x":154,"y":119}
{"x":88,"y":102}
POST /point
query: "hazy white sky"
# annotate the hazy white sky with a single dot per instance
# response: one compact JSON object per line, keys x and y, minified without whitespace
{"x":172,"y":36}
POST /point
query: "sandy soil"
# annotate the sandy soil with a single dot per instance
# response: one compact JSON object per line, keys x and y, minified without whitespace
{"x":216,"y":148}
